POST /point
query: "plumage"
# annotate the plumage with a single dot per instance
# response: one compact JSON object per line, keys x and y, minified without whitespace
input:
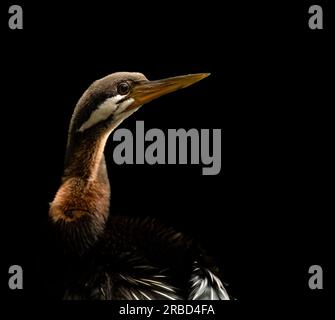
{"x":118,"y":257}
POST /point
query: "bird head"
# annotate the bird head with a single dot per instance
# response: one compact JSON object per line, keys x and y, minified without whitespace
{"x":110,"y":100}
{"x":81,"y":206}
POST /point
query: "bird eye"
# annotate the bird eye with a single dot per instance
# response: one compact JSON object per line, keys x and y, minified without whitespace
{"x":123,"y":88}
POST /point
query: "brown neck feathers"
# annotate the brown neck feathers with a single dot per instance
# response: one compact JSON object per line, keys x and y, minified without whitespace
{"x":81,"y":205}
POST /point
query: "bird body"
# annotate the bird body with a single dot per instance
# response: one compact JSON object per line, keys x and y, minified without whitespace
{"x":118,"y":257}
{"x":142,"y":259}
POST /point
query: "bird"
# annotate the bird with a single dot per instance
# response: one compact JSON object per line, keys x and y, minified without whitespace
{"x":111,"y":256}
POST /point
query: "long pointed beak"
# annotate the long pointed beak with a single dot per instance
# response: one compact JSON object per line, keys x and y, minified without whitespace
{"x":147,"y":91}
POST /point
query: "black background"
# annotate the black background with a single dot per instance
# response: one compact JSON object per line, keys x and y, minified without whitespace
{"x":265,"y":216}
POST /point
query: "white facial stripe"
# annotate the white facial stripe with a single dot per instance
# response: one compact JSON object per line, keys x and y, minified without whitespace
{"x":102,"y":112}
{"x":105,"y":110}
{"x":124,"y":105}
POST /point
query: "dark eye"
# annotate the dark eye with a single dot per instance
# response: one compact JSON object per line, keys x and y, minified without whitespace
{"x":123,"y":88}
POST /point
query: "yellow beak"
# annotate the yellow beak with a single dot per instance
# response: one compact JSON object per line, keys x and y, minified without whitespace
{"x":146,"y":90}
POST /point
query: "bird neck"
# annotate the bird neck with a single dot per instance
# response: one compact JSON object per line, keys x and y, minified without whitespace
{"x":85,"y":169}
{"x":81,"y":205}
{"x":84,"y":158}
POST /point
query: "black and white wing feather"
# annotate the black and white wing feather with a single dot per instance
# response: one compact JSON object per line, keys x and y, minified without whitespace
{"x":205,"y":285}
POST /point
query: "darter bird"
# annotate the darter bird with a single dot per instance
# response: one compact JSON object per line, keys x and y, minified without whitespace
{"x":118,"y":257}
